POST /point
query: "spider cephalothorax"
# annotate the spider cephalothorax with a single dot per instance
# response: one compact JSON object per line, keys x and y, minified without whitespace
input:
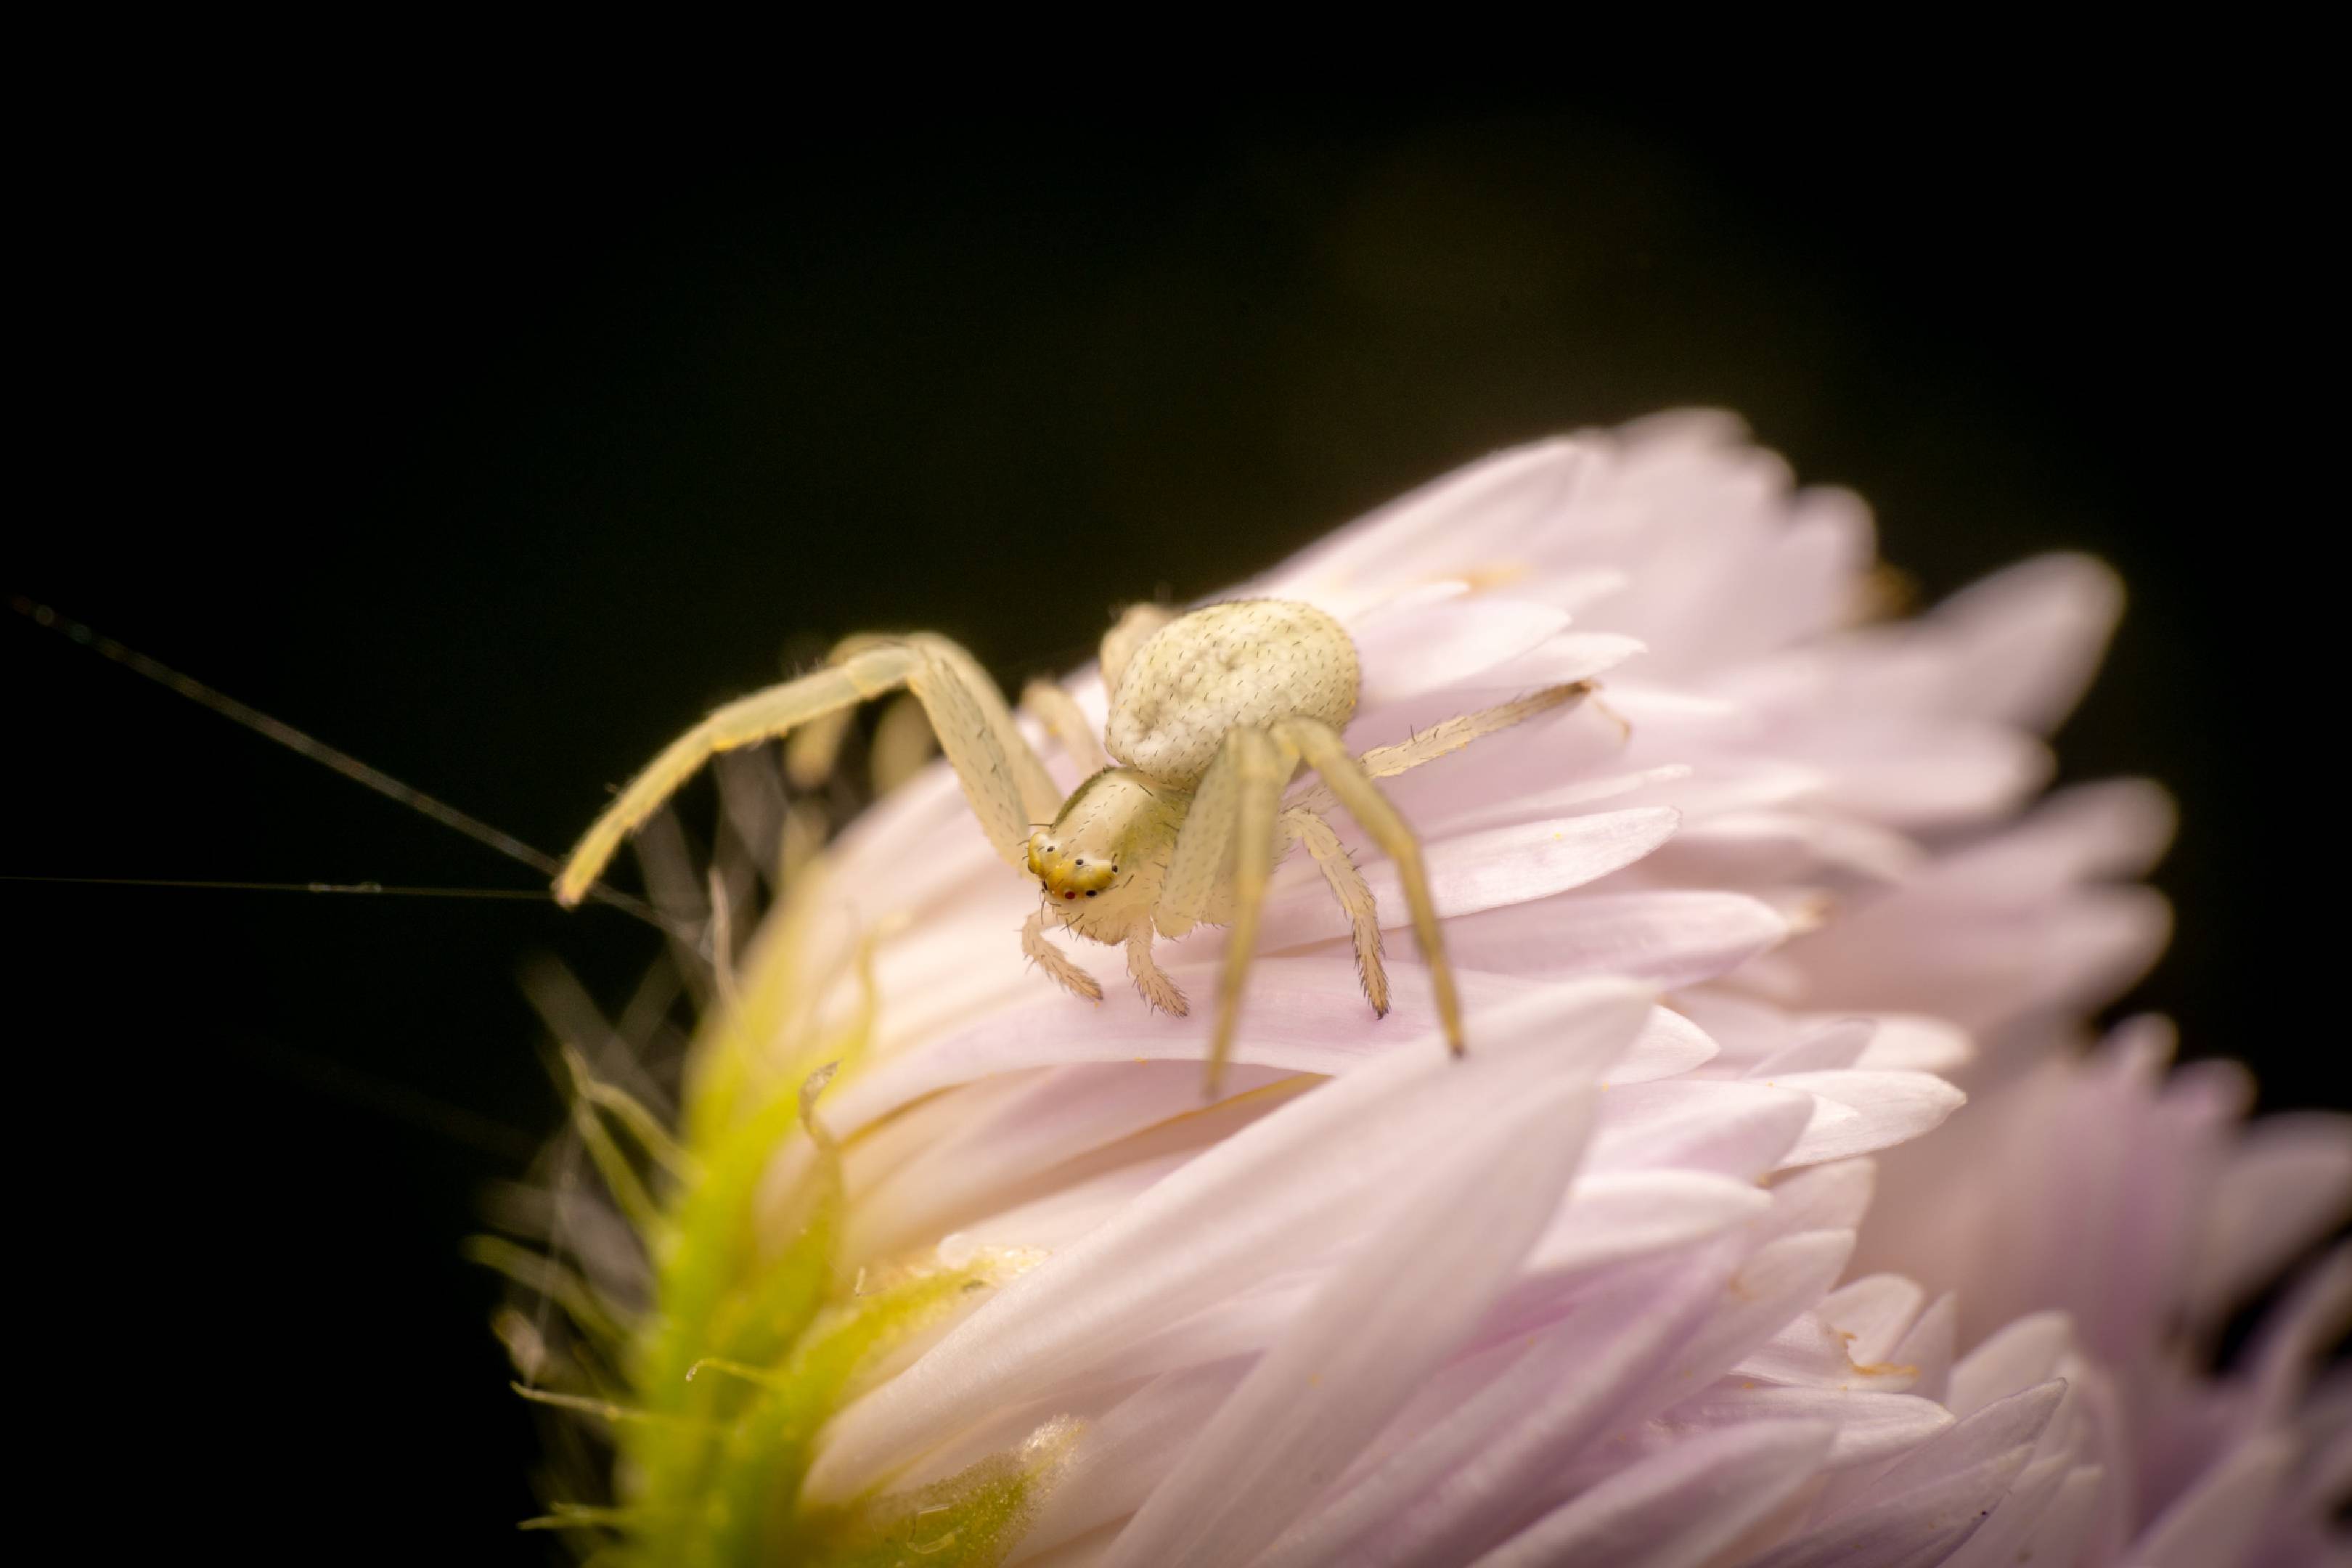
{"x":1179,"y":824}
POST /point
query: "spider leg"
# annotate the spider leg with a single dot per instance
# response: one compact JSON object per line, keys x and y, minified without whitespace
{"x":990,"y":754}
{"x":1327,"y":754}
{"x":1060,"y":713}
{"x":1134,"y":628}
{"x":1261,"y":768}
{"x":1442,"y":740}
{"x":1056,"y":965}
{"x":1347,"y":885}
{"x":1158,"y":990}
{"x":812,"y":751}
{"x":1006,"y":784}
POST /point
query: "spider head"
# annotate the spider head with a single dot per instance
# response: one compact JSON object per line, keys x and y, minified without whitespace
{"x":1065,"y":870}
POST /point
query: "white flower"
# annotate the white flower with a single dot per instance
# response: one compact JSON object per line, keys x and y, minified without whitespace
{"x":1576,"y":1297}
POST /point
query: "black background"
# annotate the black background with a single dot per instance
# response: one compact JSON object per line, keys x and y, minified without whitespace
{"x":494,"y":458}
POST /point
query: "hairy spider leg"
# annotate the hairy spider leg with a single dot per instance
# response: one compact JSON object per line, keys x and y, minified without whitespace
{"x":1136,"y":625}
{"x":1006,"y":784}
{"x":1328,"y":754}
{"x":1355,"y":898}
{"x":1067,"y":722}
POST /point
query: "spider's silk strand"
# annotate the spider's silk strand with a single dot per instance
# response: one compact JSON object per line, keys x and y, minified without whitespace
{"x":350,"y":767}
{"x":236,"y":887}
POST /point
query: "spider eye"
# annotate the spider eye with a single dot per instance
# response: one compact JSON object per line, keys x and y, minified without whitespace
{"x":1094,"y":892}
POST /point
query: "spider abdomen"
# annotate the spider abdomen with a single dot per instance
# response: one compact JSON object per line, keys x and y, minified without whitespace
{"x":1248,"y":663}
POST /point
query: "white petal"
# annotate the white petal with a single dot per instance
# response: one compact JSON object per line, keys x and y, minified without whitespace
{"x":2017,"y":1518}
{"x":1223,"y":1220}
{"x":2064,"y":1529}
{"x":1825,"y":1198}
{"x":1737,"y":1129}
{"x":1122,"y":1455}
{"x":1935,"y":1498}
{"x":2025,"y":641}
{"x":1615,"y":1216}
{"x":1832,"y":1048}
{"x":1464,"y":1480}
{"x":1810,"y":1353}
{"x":1869,"y":1427}
{"x":1671,"y":938}
{"x":1669,"y":1044}
{"x":1676,"y":1509}
{"x":1408,"y":648}
{"x":1929,"y":1345}
{"x":1495,"y":869}
{"x":1886,"y":1107}
{"x":1378,"y":1326}
{"x":1875,"y":1312}
{"x":1302,"y":1015}
{"x":2021,"y":1355}
{"x":1913,"y":1044}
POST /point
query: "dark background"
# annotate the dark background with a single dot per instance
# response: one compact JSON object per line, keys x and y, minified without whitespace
{"x":495,"y":456}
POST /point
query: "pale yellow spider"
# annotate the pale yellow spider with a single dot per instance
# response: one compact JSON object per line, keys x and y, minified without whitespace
{"x":1210,"y":715}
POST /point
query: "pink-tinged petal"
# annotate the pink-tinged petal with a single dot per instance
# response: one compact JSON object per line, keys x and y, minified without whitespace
{"x":1871,"y":1428}
{"x":2021,"y":1355}
{"x":1926,"y":1347}
{"x":1754,"y":849}
{"x":1379,"y":1325}
{"x":1911,"y":1044}
{"x":2024,"y":642}
{"x":1998,"y":1541}
{"x":1465,"y":1479}
{"x":1810,"y":1353}
{"x":981,"y":1156}
{"x":1614,"y":1216}
{"x":2295,"y":1336}
{"x":2090,"y":833}
{"x":1302,"y":1015}
{"x":1860,"y":1113}
{"x":1669,"y":939}
{"x":1494,"y":869}
{"x":1737,"y":1129}
{"x":2288,"y":1183}
{"x":1929,"y":775}
{"x":1481,"y":516}
{"x":1831,"y":1048}
{"x":1932,"y":1499}
{"x":2065,"y":1530}
{"x":1825,"y":1197}
{"x":1225,"y":1220}
{"x":1875,"y":1312}
{"x":1980,"y":968}
{"x":2217,"y":1521}
{"x":1930,"y":1344}
{"x":1123,"y":1454}
{"x":1571,"y":656}
{"x":1408,"y":646}
{"x":1676,"y":1509}
{"x":1669,"y":1044}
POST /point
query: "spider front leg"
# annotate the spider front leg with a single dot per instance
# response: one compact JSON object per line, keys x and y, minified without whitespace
{"x":1226,"y":846}
{"x":1158,"y":990}
{"x":1007,"y":786}
{"x":1057,"y":967}
{"x":1327,"y":754}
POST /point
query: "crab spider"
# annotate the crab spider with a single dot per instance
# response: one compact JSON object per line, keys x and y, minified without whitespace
{"x":1181,"y":825}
